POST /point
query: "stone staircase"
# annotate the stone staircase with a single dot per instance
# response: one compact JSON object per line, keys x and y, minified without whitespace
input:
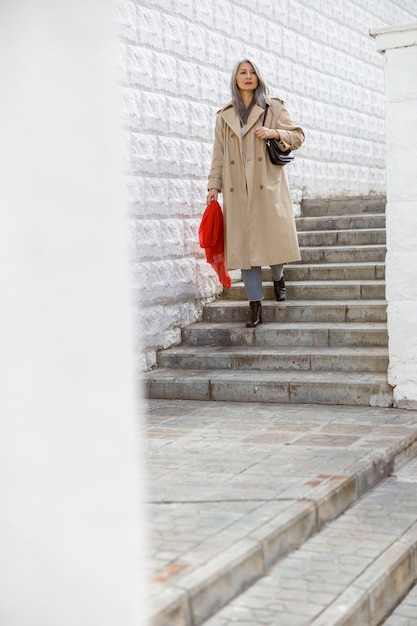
{"x":326,"y":344}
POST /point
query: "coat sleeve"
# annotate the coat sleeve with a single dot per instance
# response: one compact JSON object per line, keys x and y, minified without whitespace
{"x":291,"y":135}
{"x":215,"y":176}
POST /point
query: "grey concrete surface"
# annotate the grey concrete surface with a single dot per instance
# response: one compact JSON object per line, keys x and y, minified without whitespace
{"x":235,"y":488}
{"x":353,"y":572}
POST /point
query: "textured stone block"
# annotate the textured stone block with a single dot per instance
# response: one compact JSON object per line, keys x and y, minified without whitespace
{"x":205,"y":14}
{"x":179,"y":197}
{"x":148,"y":239}
{"x":134,"y":186}
{"x":190,"y":237}
{"x":280,"y":11}
{"x":190,"y":158}
{"x":139,"y":66}
{"x":188,"y":77}
{"x":156,"y":196}
{"x":185,"y":272}
{"x":200,"y":121}
{"x":148,"y":26}
{"x":176,"y":116}
{"x":195,"y":36}
{"x":215,"y":45}
{"x":161,"y":281}
{"x":171,"y":337}
{"x":153,"y":113}
{"x":206,"y":281}
{"x":165,"y":74}
{"x":126,"y":19}
{"x":172,"y":33}
{"x":172,"y":237}
{"x":151,"y":328}
{"x":143,"y":153}
{"x":168,"y":149}
{"x":131,"y":108}
{"x":182,"y":8}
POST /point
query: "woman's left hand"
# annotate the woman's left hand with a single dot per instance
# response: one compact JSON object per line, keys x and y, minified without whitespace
{"x":266,"y":133}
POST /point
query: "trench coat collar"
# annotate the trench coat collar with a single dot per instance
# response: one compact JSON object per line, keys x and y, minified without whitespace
{"x":230,"y":117}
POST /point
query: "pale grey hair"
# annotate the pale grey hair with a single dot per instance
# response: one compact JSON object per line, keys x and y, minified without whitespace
{"x":260,"y":92}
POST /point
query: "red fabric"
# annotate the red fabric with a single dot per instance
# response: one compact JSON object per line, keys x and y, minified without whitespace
{"x":211,"y":236}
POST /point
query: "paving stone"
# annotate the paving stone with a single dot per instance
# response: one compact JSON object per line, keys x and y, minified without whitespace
{"x":225,"y":509}
{"x":367,"y":585}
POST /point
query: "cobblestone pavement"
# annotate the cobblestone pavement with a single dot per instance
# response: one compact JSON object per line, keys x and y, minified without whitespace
{"x":406,"y":612}
{"x":233,"y":487}
{"x":307,"y":587}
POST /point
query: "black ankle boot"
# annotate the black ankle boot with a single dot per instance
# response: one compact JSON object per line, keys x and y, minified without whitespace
{"x":279,"y":289}
{"x":256,"y":314}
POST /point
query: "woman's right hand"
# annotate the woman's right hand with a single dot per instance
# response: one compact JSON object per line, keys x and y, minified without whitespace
{"x":212,"y":195}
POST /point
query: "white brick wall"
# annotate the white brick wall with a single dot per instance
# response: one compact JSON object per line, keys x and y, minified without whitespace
{"x":176,"y":59}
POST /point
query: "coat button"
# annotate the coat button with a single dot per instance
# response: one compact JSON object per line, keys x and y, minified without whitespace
{"x":261,"y":186}
{"x":231,"y":189}
{"x":232,"y":162}
{"x":259,"y":158}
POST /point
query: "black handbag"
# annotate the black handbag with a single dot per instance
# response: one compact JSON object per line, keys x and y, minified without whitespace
{"x":276,"y":155}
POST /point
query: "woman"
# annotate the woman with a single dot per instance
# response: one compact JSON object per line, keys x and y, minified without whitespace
{"x":258,"y":215}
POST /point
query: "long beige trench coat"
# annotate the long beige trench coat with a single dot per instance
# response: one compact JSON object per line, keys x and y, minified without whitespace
{"x":258,"y":214}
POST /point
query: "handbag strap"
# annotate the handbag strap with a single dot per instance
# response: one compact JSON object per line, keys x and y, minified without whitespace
{"x":265,"y":114}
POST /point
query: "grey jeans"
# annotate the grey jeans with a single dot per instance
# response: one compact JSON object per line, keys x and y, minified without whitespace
{"x":252,"y":280}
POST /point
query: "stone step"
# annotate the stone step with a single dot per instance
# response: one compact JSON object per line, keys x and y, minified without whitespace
{"x":331,"y":271}
{"x":338,"y":388}
{"x":317,"y":290}
{"x":287,"y":334}
{"x":326,"y":344}
{"x":353,"y":572}
{"x":238,"y":488}
{"x":329,"y":311}
{"x":343,"y":254}
{"x":374,"y":236}
{"x":334,"y":222}
{"x":405,"y":613}
{"x":343,"y":206}
{"x":341,"y":359}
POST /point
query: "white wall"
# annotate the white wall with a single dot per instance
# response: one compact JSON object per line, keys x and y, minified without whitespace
{"x":176,"y":60}
{"x":399,"y":46}
{"x":71,"y":481}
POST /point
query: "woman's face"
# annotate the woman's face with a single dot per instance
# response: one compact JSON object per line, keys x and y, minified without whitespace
{"x":246,"y":78}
